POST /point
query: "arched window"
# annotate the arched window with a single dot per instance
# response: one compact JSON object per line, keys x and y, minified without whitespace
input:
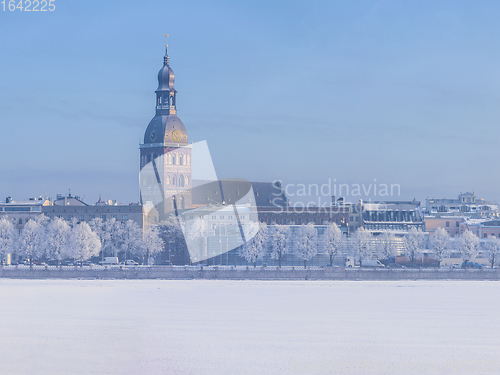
{"x":182,"y":203}
{"x":181,"y":160}
{"x":167,"y":182}
{"x":173,"y":159}
{"x":181,"y":181}
{"x":173,"y":180}
{"x":187,"y":181}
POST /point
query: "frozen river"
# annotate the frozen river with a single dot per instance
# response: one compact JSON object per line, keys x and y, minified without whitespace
{"x":249,"y":327}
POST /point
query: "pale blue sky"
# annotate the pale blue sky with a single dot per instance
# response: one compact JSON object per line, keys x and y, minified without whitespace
{"x":402,"y":92}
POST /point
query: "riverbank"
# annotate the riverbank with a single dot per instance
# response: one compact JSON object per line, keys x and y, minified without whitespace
{"x":243,"y":273}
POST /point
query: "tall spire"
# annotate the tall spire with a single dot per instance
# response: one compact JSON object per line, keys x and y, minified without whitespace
{"x":165,"y":59}
{"x":165,"y":93}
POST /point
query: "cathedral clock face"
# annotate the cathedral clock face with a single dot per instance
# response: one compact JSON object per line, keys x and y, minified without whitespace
{"x":176,"y":135}
{"x":153,"y":136}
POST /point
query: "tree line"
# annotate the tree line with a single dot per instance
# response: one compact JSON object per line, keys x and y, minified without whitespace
{"x":58,"y":239}
{"x":278,"y":241}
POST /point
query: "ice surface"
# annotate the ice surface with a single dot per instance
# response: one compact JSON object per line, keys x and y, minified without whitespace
{"x":248,"y":327}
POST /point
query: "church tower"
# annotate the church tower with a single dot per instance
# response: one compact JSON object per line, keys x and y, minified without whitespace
{"x":165,"y":154}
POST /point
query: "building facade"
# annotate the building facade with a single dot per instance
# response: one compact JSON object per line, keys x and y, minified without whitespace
{"x":466,"y":204}
{"x":450,"y":223}
{"x":72,"y":208}
{"x":20,"y":212}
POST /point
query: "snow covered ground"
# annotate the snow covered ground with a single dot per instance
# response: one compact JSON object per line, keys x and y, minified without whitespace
{"x":248,"y":327}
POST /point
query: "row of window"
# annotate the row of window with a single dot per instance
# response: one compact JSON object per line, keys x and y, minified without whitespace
{"x":165,"y":100}
{"x":457,"y":224}
{"x":390,"y":216}
{"x":221,"y":217}
{"x":92,"y":217}
{"x":299,"y":221}
{"x":391,"y":226}
{"x":170,"y":159}
{"x":20,"y":209}
{"x":20,"y":221}
{"x":181,"y":181}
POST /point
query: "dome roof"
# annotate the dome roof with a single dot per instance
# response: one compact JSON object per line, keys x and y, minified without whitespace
{"x":166,"y":78}
{"x":162,"y":128}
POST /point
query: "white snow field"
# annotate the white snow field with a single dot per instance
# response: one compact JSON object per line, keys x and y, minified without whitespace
{"x":248,"y":327}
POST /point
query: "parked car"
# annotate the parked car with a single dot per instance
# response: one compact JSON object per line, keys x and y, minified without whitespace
{"x":371,"y":263}
{"x":84,"y":263}
{"x":395,"y":265}
{"x":130,"y":262}
{"x":109,"y":261}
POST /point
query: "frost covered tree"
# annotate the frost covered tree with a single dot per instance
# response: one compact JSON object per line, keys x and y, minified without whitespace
{"x":173,"y":238}
{"x":439,"y":243}
{"x":8,"y":237}
{"x":361,"y":241}
{"x":152,"y":243}
{"x":332,"y":241}
{"x":112,"y":236}
{"x":196,"y":235}
{"x":255,"y":249}
{"x":413,"y":241}
{"x":58,"y":232}
{"x":132,"y":238}
{"x":116,"y":234}
{"x":32,"y":240}
{"x":386,"y":245}
{"x":346,"y":246}
{"x":492,"y":247}
{"x":98,"y":226}
{"x":83,"y":243}
{"x":306,"y":242}
{"x":468,"y":243}
{"x":279,"y":243}
{"x":42,"y":219}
